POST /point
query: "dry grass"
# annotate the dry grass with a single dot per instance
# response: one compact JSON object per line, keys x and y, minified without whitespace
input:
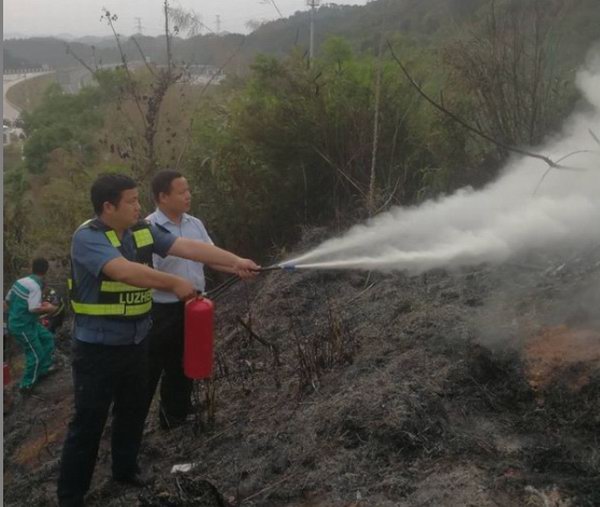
{"x":319,"y":352}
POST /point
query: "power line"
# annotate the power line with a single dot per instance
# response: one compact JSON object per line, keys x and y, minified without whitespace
{"x":277,"y":8}
{"x":272,"y":2}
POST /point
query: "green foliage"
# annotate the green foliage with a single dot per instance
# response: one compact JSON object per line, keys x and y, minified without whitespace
{"x":294,"y":145}
{"x":61,"y":206}
{"x":61,"y":121}
{"x":111,"y":84}
{"x":286,"y":145}
{"x":336,"y":50}
{"x":12,"y":158}
{"x":47,"y":193}
{"x":16,"y":223}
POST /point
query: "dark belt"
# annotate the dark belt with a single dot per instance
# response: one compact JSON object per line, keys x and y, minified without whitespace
{"x":176,"y":303}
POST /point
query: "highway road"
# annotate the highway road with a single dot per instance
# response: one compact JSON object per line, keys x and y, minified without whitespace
{"x":10,"y":112}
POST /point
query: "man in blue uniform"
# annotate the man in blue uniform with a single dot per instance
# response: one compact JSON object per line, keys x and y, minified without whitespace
{"x":25,"y":306}
{"x":110,"y":287}
{"x":173,"y":199}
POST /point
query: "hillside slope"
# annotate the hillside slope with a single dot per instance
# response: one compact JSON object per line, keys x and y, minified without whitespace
{"x":480,"y":387}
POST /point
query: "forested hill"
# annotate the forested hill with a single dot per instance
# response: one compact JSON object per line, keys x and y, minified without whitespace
{"x":10,"y":62}
{"x":425,"y":20}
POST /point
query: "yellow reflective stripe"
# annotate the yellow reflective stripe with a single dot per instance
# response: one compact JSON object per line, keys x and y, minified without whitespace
{"x":143,"y":237}
{"x":70,"y":283}
{"x":138,"y":309}
{"x":97,"y":309}
{"x":113,"y":238}
{"x":108,"y":286}
{"x":110,"y":310}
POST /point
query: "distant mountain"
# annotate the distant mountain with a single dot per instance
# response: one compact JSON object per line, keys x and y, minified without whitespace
{"x":106,"y":41}
{"x":61,"y":36}
{"x":13,"y":35}
{"x":430,"y":21}
{"x":426,"y":20}
{"x":44,"y":50}
{"x":11,"y":62}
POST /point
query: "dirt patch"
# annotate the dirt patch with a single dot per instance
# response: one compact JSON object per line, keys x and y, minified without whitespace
{"x":45,"y":434}
{"x":572,"y":355}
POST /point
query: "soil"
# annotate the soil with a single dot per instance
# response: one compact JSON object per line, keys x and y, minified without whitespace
{"x":476,"y":387}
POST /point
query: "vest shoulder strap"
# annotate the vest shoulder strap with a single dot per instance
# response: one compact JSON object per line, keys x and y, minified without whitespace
{"x":97,"y":225}
{"x":142,"y":235}
{"x":141,"y":224}
{"x":89,"y":224}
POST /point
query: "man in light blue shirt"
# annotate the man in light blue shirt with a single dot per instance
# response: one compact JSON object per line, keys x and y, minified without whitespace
{"x":186,"y":226}
{"x":111,"y":278}
{"x":173,"y":199}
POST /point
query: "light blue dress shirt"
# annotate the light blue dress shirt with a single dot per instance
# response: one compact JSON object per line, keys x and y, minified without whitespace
{"x":189,"y":227}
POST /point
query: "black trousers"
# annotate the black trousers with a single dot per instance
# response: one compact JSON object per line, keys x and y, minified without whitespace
{"x":166,"y":360}
{"x":103,"y":375}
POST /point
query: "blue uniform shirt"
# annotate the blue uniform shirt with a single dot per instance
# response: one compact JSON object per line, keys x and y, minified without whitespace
{"x":90,"y":251}
{"x":189,"y":227}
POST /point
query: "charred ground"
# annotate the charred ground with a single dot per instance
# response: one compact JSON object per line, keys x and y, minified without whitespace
{"x":350,"y":388}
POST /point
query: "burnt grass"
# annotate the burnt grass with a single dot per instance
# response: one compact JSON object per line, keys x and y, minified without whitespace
{"x":353,"y":388}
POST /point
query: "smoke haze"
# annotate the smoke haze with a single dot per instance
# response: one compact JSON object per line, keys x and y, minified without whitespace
{"x":493,"y":224}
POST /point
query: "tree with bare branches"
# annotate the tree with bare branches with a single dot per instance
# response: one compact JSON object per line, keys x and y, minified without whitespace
{"x":507,"y":64}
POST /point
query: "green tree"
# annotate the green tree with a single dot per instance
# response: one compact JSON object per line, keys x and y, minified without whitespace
{"x":293,"y":145}
{"x":63,"y":121}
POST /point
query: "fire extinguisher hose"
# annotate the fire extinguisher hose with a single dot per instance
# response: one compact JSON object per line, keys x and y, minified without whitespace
{"x":230,"y":282}
{"x":221,"y":289}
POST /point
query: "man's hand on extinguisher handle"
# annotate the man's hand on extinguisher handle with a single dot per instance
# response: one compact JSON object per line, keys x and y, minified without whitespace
{"x":245,"y":268}
{"x":183,"y":289}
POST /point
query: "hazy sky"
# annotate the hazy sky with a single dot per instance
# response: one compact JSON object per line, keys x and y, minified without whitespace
{"x":82,"y":17}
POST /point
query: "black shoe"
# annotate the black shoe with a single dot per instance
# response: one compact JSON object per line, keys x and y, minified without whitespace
{"x":71,"y":502}
{"x":49,"y":371}
{"x":137,"y":480}
{"x":26,"y":390}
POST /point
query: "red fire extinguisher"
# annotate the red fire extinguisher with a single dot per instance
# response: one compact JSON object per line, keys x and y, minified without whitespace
{"x":198,"y":344}
{"x":6,"y":375}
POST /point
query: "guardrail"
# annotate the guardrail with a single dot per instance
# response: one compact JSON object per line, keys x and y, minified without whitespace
{"x":28,"y":70}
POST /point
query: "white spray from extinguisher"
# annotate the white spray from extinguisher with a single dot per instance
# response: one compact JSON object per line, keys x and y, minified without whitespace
{"x":489,"y":225}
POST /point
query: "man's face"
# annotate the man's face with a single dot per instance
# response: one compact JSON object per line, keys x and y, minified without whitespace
{"x":179,"y":199}
{"x":127,"y":212}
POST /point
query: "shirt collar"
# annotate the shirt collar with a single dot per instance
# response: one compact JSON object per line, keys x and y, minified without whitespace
{"x":162,"y":219}
{"x":38,"y":279}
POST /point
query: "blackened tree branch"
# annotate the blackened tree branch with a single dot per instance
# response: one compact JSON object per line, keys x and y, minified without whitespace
{"x":470,"y":128}
{"x":145,"y":60}
{"x":79,"y":59}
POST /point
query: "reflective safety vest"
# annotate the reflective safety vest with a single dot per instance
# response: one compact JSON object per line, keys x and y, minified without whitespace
{"x":117,"y":299}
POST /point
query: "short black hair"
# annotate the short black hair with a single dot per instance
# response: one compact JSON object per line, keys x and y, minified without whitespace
{"x":108,"y":188}
{"x":39,"y":266}
{"x":162,"y":182}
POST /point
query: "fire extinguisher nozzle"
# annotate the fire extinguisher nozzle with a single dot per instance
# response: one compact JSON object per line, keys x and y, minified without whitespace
{"x":278,"y":267}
